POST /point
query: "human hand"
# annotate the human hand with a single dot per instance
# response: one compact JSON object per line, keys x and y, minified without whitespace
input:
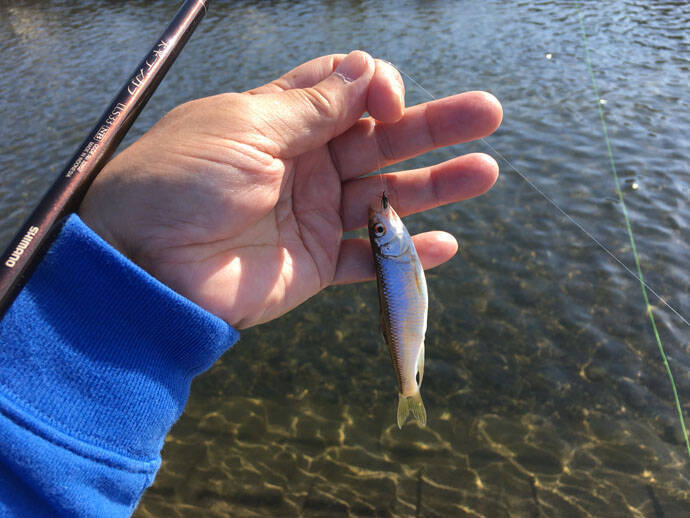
{"x":239,"y":201}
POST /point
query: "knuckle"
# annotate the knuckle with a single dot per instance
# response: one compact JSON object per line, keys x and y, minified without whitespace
{"x":433,"y":139}
{"x":319,"y":102}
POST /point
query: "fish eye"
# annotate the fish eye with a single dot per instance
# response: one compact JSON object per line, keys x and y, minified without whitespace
{"x":379,"y":229}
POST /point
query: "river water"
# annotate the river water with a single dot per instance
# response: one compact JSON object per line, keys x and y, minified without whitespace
{"x":544,"y":385}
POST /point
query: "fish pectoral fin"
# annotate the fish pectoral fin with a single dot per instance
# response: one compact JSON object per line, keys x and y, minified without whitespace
{"x":411,"y":405}
{"x":420,"y":366}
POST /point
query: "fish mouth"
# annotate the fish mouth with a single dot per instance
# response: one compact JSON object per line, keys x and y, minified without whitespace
{"x":382,"y":208}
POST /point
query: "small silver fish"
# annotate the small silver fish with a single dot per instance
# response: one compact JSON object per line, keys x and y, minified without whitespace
{"x":403,"y":301}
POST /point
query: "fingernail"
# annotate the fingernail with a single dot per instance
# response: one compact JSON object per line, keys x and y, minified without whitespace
{"x":353,"y":66}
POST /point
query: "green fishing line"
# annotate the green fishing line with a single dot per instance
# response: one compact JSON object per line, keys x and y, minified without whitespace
{"x":630,"y":232}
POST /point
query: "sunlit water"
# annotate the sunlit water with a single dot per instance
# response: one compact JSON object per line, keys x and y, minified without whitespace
{"x":544,"y":386}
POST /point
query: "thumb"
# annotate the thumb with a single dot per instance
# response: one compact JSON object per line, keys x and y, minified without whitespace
{"x":302,"y":119}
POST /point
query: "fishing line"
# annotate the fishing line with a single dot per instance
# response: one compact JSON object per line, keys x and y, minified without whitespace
{"x":643,"y":285}
{"x":639,"y":276}
{"x":378,"y":172}
{"x":563,"y":212}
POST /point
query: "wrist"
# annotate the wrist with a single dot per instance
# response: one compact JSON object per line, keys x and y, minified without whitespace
{"x":96,"y":211}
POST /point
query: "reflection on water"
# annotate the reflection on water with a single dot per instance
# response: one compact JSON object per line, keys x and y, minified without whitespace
{"x":545,"y":392}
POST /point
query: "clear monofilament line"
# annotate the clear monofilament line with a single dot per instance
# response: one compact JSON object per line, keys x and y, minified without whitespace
{"x":645,"y":287}
{"x":529,"y":182}
{"x":587,"y":233}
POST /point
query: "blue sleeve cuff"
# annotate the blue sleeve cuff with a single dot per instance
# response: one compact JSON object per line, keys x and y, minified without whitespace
{"x":97,"y":351}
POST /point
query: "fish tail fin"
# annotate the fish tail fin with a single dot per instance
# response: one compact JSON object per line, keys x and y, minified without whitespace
{"x":411,"y":405}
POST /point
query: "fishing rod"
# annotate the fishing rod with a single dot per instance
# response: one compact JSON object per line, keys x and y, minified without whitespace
{"x":33,"y":239}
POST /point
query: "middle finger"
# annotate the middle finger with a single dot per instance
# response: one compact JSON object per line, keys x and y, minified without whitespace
{"x":370,"y":145}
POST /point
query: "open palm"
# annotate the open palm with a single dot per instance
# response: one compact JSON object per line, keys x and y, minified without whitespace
{"x":239,"y":201}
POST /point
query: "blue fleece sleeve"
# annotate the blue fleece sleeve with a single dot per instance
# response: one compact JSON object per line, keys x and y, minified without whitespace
{"x":95,"y":366}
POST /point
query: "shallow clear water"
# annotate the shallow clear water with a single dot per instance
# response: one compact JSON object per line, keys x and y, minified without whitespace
{"x":544,"y":386}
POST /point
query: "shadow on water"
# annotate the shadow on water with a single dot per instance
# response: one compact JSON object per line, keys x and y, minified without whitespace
{"x":658,"y":511}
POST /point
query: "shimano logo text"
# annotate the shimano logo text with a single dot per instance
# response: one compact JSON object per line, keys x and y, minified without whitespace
{"x":23,"y":244}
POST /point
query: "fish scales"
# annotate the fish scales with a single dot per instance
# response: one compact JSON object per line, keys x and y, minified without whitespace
{"x":404,"y":309}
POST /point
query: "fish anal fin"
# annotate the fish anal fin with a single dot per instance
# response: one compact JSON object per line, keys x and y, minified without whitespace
{"x":420,"y":366}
